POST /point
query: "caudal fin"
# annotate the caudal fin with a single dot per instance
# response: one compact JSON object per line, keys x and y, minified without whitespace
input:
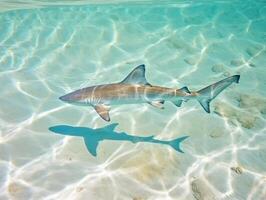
{"x":207,"y":94}
{"x":175,"y":143}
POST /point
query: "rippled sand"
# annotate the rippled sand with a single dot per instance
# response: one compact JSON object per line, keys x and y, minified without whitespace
{"x":46,"y":52}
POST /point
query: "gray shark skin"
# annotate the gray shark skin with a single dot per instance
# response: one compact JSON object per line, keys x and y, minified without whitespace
{"x":136,"y":89}
{"x":92,"y":137}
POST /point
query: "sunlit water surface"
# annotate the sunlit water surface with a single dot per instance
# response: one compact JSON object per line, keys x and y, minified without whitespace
{"x":48,"y":49}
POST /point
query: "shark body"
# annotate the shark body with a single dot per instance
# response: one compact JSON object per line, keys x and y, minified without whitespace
{"x":136,"y":89}
{"x":92,"y":137}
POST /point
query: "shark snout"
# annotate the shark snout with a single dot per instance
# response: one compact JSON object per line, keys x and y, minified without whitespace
{"x":70,"y":98}
{"x":65,"y":98}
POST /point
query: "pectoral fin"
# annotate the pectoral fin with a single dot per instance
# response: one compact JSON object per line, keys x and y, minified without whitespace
{"x":103,"y":111}
{"x":91,"y":145}
{"x":157,"y":104}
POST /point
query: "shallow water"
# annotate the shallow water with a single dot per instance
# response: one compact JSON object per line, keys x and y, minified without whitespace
{"x":49,"y":49}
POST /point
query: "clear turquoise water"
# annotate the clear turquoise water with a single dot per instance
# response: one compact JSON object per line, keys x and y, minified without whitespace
{"x":51,"y":48}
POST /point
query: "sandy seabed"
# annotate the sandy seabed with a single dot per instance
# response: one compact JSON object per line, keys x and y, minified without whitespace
{"x":48,"y":51}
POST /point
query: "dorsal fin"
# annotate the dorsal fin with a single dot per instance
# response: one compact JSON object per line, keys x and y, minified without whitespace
{"x":111,"y":126}
{"x":136,"y":76}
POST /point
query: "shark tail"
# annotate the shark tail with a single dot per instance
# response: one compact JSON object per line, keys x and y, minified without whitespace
{"x":207,"y":94}
{"x":175,"y":143}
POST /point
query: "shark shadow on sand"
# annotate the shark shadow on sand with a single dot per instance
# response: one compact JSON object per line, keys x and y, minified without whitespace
{"x":92,"y":137}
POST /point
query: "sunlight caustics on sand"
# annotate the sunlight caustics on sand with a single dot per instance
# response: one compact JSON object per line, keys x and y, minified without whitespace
{"x":50,"y":49}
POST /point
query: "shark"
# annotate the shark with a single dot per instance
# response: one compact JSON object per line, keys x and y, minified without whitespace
{"x":136,"y":89}
{"x":92,"y":137}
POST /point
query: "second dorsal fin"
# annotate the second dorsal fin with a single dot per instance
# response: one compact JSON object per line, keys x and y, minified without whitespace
{"x":136,"y":76}
{"x":185,"y":89}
